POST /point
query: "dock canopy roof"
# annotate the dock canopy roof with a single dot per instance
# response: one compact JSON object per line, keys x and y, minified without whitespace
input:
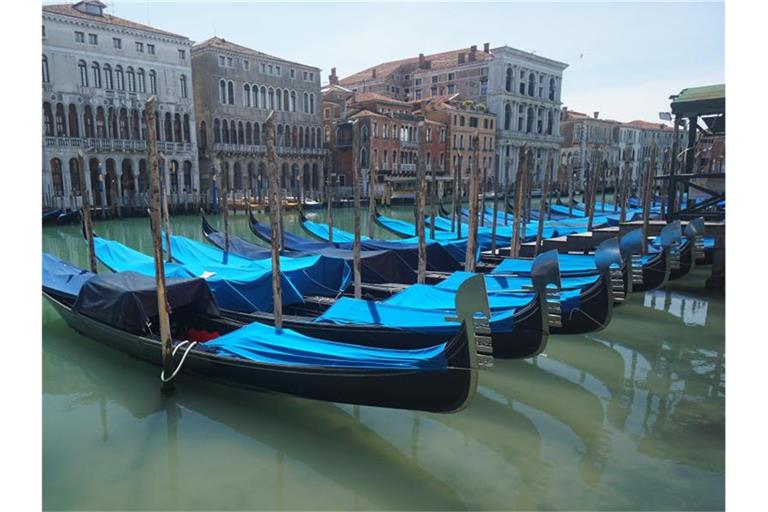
{"x":706,"y":100}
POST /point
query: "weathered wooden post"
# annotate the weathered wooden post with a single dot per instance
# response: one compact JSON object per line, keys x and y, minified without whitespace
{"x":603,"y":179}
{"x":166,"y":217}
{"x":356,"y":198}
{"x":330,"y":207}
{"x":372,"y":201}
{"x":162,"y":302}
{"x":649,"y":174}
{"x":434,"y":199}
{"x":86,"y":212}
{"x":514,"y":248}
{"x":274,"y":212}
{"x":458,"y":199}
{"x":594,"y":177}
{"x":543,"y":203}
{"x":482,"y":196}
{"x":495,"y":220}
{"x":507,"y":188}
{"x":454,"y":206}
{"x":421,"y":198}
{"x":225,"y":204}
{"x":474,"y":178}
{"x":528,"y":198}
{"x":624,"y":188}
{"x":570,"y":186}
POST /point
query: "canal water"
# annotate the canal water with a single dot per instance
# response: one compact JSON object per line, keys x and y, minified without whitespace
{"x":632,"y":417}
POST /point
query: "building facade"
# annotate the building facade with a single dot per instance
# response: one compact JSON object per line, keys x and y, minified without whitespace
{"x":521,"y":89}
{"x":235,"y":90}
{"x":588,"y":141}
{"x":97,"y":73}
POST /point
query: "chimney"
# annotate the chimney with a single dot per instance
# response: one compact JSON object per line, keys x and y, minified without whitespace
{"x":472,"y":52}
{"x":421,"y":61}
{"x":462,"y":56}
{"x":595,"y":114}
{"x":373,"y":73}
{"x":487,"y":47}
{"x":332,"y":78}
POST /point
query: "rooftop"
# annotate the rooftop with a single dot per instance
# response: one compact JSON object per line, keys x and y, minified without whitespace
{"x":219,"y":43}
{"x":437,"y":61}
{"x":645,"y":125}
{"x":69,"y":10}
{"x":708,"y":99}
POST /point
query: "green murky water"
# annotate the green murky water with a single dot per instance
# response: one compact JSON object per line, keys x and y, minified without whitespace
{"x":632,"y":417}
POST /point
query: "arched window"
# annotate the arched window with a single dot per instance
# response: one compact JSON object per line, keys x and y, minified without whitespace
{"x":248,"y":134}
{"x":46,"y":74}
{"x":288,"y":136}
{"x":152,"y":82}
{"x":74,"y":176}
{"x":306,"y":103}
{"x":540,"y":121}
{"x":286,"y":101}
{"x":141,"y":79}
{"x":124,"y":134}
{"x":96,"y":74}
{"x":520,"y":115}
{"x":293,"y":101}
{"x":56,"y":177}
{"x":256,"y":134}
{"x":108,"y":77}
{"x":183,"y":87}
{"x":509,"y":80}
{"x":306,"y":137}
{"x":231,"y":92}
{"x":240,"y":133}
{"x":301,"y":136}
{"x":168,"y":127}
{"x":216,"y":130}
{"x":101,"y":123}
{"x":233,"y":132}
{"x":312,"y":103}
{"x":550,"y":122}
{"x":279,"y":141}
{"x":177,"y":127}
{"x":88,"y":122}
{"x":135,"y":127}
{"x":522,"y":82}
{"x":327,"y":135}
{"x":131,"y":79}
{"x":223,"y":91}
{"x":317,"y":138}
{"x":119,"y":78}
{"x":83,"y":69}
{"x":246,"y":95}
{"x":531,"y":84}
{"x":48,"y":119}
{"x":278,"y":99}
{"x":187,"y":130}
{"x":61,"y":124}
{"x":552,"y":89}
{"x":263,"y":97}
{"x":255,"y":96}
{"x":225,"y":131}
{"x":73,"y":128}
{"x":507,"y":116}
{"x":112,"y":123}
{"x":363,"y":158}
{"x":271,"y":97}
{"x":529,"y":124}
{"x":202,"y":139}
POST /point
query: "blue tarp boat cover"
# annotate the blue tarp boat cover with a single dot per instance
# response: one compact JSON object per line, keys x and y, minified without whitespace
{"x":240,"y":247}
{"x":322,"y":231}
{"x":128,"y":300}
{"x":63,"y":278}
{"x":234,"y":288}
{"x":262,"y":343}
{"x":429,"y":321}
{"x":500,"y":283}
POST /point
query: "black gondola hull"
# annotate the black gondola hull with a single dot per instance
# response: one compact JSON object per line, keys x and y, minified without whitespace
{"x":594,"y":312}
{"x":433,"y":391}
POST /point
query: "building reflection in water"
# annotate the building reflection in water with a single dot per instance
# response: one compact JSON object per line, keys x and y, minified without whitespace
{"x":692,"y":310}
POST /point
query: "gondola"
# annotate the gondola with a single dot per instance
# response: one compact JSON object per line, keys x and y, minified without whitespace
{"x":50,"y":216}
{"x":517,"y":333}
{"x":69,"y":217}
{"x":120,"y":311}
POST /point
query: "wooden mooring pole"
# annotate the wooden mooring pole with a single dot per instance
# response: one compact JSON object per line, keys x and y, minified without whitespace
{"x":543,"y":203}
{"x":274,"y":221}
{"x":457,"y":207}
{"x":421,"y":199}
{"x":474,"y":178}
{"x":372,"y":202}
{"x":166,"y":216}
{"x":647,"y":192}
{"x":356,"y":199}
{"x":86,"y":213}
{"x":495,"y":220}
{"x":154,"y":214}
{"x":514,"y":248}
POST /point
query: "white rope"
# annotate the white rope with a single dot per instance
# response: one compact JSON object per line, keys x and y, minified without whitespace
{"x":175,"y":349}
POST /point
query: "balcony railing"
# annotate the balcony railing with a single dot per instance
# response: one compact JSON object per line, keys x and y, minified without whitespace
{"x":260,"y":149}
{"x":116,"y":145}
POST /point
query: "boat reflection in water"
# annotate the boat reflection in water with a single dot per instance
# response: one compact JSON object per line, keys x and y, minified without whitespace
{"x":631,"y":417}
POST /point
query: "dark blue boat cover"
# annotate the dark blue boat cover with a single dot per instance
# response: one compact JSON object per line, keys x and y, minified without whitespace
{"x":502,"y":284}
{"x":263,"y":344}
{"x":128,"y":300}
{"x":63,"y":278}
{"x":239,"y":246}
{"x":428,"y":321}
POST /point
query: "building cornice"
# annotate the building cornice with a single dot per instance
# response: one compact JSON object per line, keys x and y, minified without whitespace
{"x":256,"y":55}
{"x":512,"y":52}
{"x":117,"y":29}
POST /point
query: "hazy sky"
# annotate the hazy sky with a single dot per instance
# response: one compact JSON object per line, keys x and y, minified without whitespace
{"x":625,"y":59}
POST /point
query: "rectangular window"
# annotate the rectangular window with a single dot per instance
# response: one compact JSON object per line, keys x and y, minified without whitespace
{"x":451,"y":76}
{"x":434,"y":79}
{"x":451,"y":88}
{"x":417,"y":94}
{"x":246,"y":65}
{"x":140,"y":47}
{"x":183,"y":55}
{"x":269,"y":68}
{"x":306,"y":75}
{"x":278,"y":71}
{"x":417,"y":81}
{"x":222,"y":61}
{"x":229,"y":60}
{"x":79,"y":37}
{"x":473,"y":122}
{"x":150,"y":49}
{"x":43,"y":30}
{"x":293,"y":73}
{"x":93,"y":39}
{"x":434,"y":91}
{"x":311,"y":77}
{"x":117,"y":43}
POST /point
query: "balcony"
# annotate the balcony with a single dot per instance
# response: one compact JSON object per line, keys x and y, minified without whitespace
{"x":261,"y":150}
{"x":116,"y":145}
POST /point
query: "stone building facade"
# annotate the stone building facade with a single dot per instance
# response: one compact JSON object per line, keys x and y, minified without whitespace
{"x":521,"y":89}
{"x":588,"y":141}
{"x":235,"y":90}
{"x":97,"y":73}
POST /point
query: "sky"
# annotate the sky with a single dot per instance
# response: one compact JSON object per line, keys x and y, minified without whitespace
{"x":625,"y":59}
